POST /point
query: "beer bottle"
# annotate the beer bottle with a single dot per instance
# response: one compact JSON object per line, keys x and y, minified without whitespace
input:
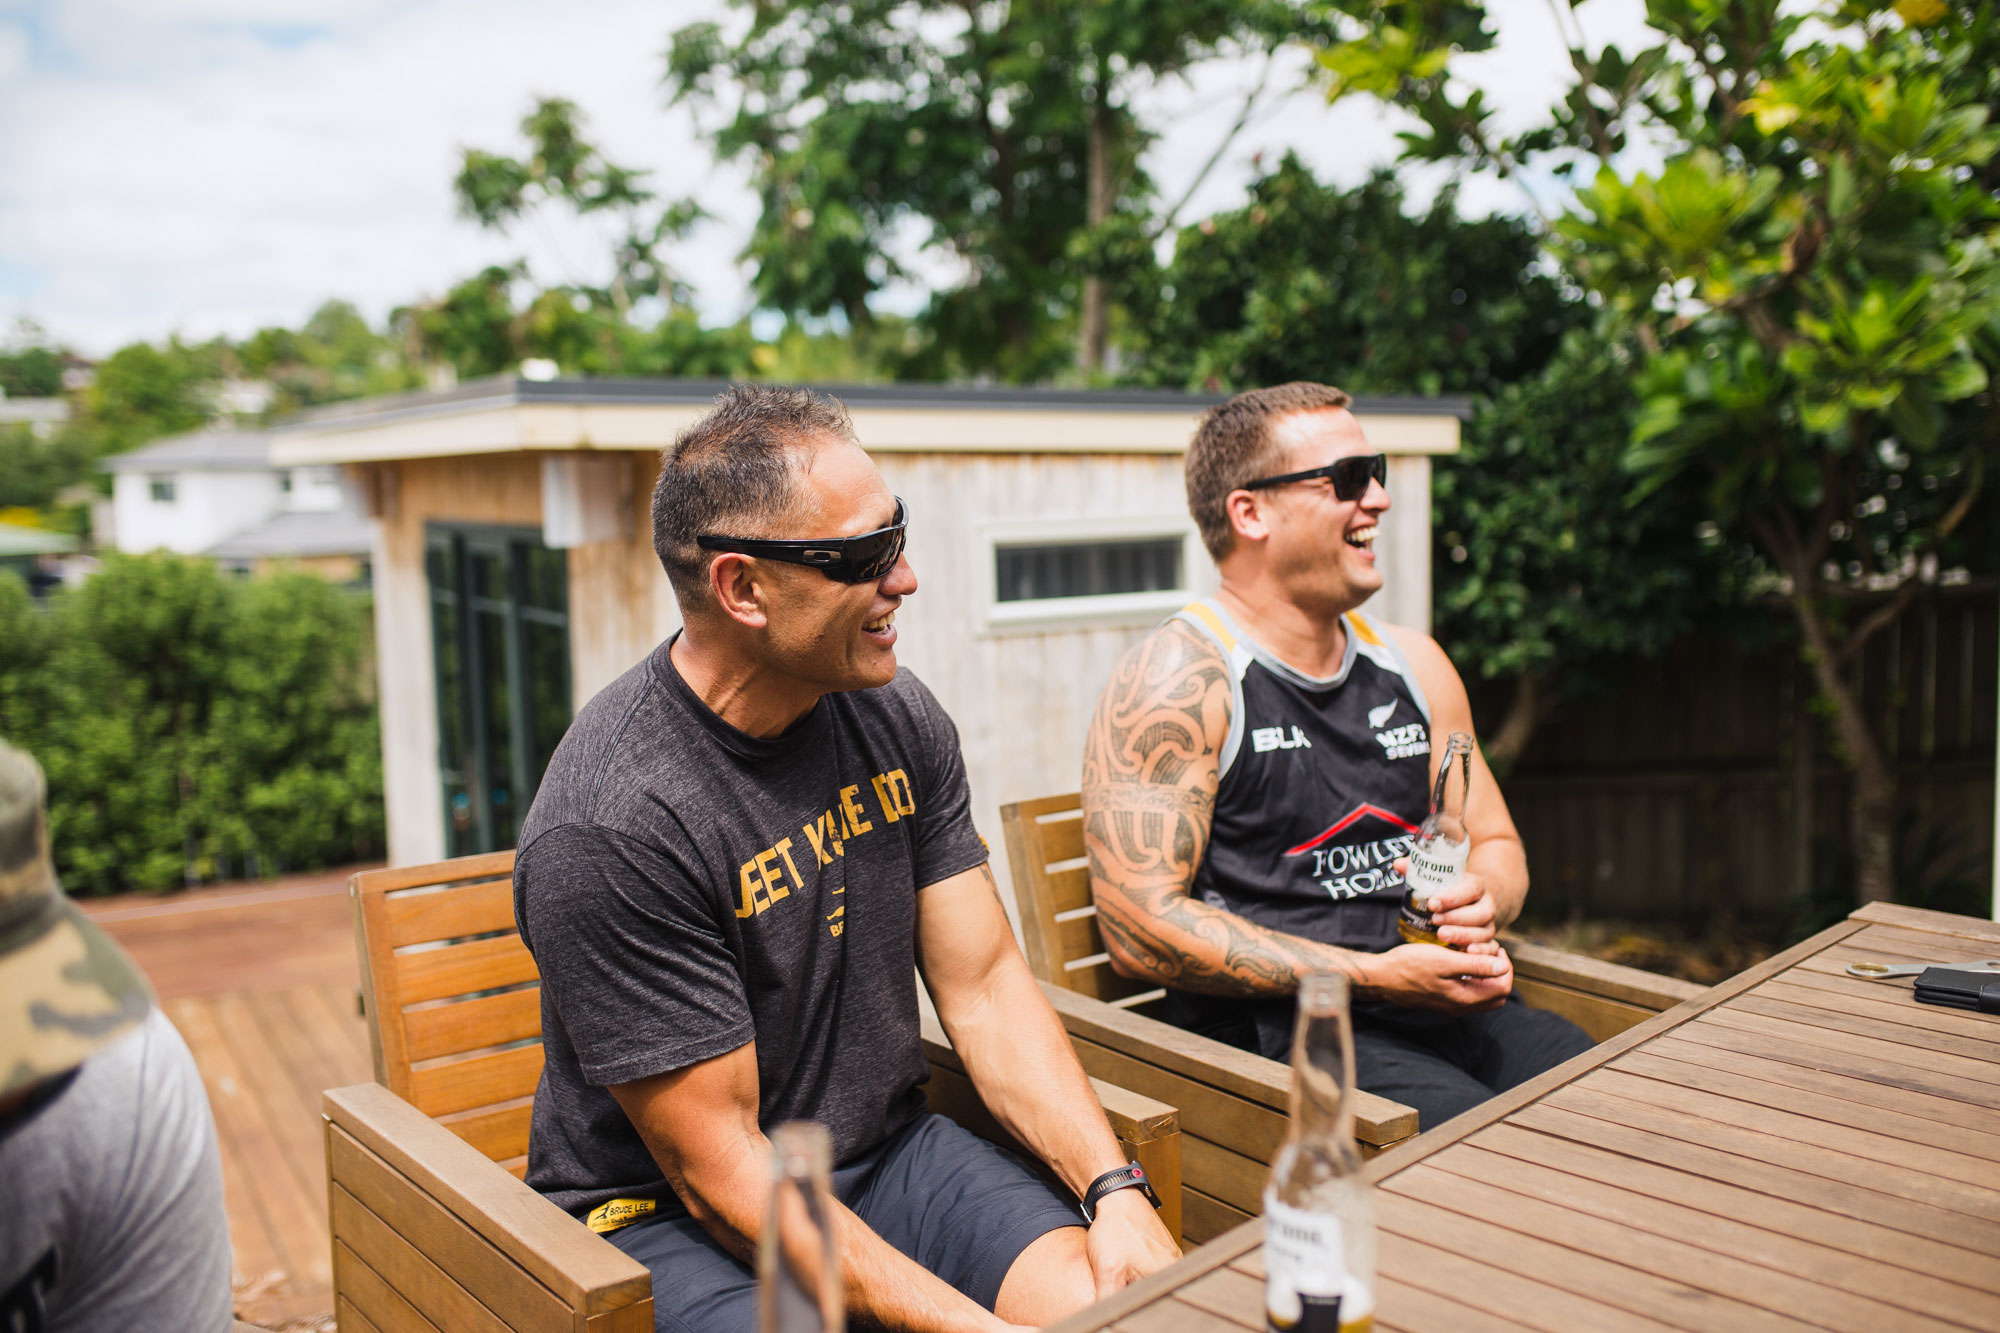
{"x":798,"y":1256}
{"x":1319,"y":1214}
{"x":1437,"y":858}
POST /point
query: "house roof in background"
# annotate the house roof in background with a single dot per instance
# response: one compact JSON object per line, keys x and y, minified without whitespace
{"x":509,"y":414}
{"x":18,"y":541}
{"x":198,"y":451}
{"x":299,"y":533}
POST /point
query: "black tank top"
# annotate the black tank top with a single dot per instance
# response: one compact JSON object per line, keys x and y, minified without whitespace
{"x":1324,"y":783}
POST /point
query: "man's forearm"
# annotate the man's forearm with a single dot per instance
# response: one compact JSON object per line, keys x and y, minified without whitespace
{"x":1502,"y":864}
{"x":883,"y":1287}
{"x":1026,"y":1072}
{"x":1172,"y":938}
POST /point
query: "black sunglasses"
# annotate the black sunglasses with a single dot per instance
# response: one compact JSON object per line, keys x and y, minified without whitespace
{"x":860,"y":559}
{"x":1350,"y":476}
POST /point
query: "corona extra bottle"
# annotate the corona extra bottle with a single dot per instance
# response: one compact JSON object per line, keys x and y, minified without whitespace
{"x":1437,"y":858}
{"x":1319,"y":1214}
{"x":798,"y":1256}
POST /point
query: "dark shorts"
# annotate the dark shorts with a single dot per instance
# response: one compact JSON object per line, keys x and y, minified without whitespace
{"x":1440,"y":1064}
{"x":953,"y":1202}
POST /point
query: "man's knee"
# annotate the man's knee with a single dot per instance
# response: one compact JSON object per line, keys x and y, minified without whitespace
{"x":1050,"y":1280}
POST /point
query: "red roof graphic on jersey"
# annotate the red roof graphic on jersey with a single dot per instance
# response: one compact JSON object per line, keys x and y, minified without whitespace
{"x":1346,"y":821}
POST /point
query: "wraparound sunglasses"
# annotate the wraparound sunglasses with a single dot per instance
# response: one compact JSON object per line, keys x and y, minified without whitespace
{"x":1350,"y":476}
{"x":861,"y":559}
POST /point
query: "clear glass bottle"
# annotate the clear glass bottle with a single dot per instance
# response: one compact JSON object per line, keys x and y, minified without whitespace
{"x":1437,"y":858}
{"x":1319,"y":1214}
{"x":798,"y":1256}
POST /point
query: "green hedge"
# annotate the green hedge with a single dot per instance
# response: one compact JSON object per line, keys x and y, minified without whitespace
{"x":195,"y":727}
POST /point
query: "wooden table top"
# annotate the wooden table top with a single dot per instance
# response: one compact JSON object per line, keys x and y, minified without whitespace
{"x":1794,"y":1149}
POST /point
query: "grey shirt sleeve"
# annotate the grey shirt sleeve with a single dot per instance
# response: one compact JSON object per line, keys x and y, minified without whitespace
{"x":120,"y":1179}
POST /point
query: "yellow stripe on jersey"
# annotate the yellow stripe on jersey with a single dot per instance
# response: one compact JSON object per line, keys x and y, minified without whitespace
{"x":1214,"y":622}
{"x":1363,"y":630}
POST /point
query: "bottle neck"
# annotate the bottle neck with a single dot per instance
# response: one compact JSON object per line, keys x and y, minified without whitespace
{"x":1323,"y":1077}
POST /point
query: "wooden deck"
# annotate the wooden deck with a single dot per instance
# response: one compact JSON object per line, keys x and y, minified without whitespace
{"x":1796,"y":1149}
{"x":261,"y":981}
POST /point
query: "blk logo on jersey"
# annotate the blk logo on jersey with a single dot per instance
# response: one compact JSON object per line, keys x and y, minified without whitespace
{"x":1274,"y":738}
{"x":1354,"y":868}
{"x":1378,"y":718}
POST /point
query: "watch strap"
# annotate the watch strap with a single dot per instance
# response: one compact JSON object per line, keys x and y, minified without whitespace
{"x":1131,"y":1176}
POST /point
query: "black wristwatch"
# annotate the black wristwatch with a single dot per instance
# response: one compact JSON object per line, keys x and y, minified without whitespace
{"x":1131,"y":1176}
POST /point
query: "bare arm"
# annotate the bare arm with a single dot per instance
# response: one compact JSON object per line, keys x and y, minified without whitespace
{"x":700,"y":1123}
{"x":1150,"y":774}
{"x":1496,"y":869}
{"x":1020,"y":1060}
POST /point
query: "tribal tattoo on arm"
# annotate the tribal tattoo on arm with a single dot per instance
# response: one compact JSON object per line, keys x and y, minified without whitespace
{"x":1150,"y":773}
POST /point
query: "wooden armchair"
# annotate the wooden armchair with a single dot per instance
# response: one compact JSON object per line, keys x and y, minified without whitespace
{"x":432,"y":1227}
{"x":1234,"y":1104}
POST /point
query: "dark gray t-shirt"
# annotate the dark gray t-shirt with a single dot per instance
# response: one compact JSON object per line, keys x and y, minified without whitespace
{"x":686,"y":888}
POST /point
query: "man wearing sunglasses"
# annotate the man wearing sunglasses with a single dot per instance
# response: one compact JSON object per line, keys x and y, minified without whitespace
{"x":742,"y":856}
{"x":1258,"y":765}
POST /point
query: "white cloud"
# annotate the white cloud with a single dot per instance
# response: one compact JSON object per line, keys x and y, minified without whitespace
{"x":208,"y":166}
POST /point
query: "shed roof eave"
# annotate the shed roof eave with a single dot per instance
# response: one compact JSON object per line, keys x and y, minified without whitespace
{"x":647,"y":414}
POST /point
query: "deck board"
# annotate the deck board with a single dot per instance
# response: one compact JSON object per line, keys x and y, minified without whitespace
{"x":1795,"y":1148}
{"x":260,"y":980}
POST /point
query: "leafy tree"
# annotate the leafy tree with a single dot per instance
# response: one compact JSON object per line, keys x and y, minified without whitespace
{"x":1004,"y":134}
{"x":1542,"y":578}
{"x":143,"y":392}
{"x":187,"y":721}
{"x":31,"y":366}
{"x":334,"y":355}
{"x":1311,"y":282}
{"x":497,"y":318}
{"x":1809,"y":279}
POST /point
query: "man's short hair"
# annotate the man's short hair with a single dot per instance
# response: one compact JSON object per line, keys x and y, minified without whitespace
{"x":1233,"y":446}
{"x":737,"y":472}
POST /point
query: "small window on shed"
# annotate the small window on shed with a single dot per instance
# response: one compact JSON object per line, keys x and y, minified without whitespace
{"x":1092,"y":571}
{"x":162,"y":489}
{"x":1038,"y":572}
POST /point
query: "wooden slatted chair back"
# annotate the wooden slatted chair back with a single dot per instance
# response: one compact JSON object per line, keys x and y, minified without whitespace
{"x":453,"y":997}
{"x":1052,"y":892}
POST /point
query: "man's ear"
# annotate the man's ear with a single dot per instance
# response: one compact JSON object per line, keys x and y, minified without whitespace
{"x":1246,"y":515}
{"x":738,"y":590}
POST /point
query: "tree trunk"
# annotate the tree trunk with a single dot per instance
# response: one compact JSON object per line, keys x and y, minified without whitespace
{"x":1872,"y":808}
{"x":1524,"y":714}
{"x":1098,"y":198}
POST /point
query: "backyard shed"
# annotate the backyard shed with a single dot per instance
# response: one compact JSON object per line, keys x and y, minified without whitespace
{"x":515,"y":576}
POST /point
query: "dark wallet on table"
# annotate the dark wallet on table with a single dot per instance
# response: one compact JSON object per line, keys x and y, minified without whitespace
{"x":1961,"y":988}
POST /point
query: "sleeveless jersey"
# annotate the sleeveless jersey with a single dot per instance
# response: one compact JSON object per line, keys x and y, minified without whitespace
{"x":1324,"y":783}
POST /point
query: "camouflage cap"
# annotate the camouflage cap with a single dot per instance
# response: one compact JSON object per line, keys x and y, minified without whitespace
{"x":66,"y":991}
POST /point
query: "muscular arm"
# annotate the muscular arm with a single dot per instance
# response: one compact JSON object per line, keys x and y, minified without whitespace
{"x":1150,"y":768}
{"x":700,"y":1124}
{"x":1020,"y":1060}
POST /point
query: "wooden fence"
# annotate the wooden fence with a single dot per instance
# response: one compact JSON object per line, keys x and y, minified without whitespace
{"x":1706,"y":787}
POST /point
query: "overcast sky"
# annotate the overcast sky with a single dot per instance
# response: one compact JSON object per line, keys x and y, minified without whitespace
{"x":211,"y":166}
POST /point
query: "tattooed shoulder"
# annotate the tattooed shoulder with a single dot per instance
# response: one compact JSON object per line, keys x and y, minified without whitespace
{"x":1163,"y":715}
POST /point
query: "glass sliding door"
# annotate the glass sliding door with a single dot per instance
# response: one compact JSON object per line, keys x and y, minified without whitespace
{"x":500,"y":639}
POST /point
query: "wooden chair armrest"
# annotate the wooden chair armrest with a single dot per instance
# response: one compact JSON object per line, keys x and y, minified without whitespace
{"x":1602,"y":998}
{"x":1594,"y":976}
{"x":1127,"y":1037}
{"x":1148,"y":1130}
{"x":474,"y":1222}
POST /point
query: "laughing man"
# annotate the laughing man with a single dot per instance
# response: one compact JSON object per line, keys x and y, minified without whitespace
{"x":742,"y":855}
{"x":1258,"y":764}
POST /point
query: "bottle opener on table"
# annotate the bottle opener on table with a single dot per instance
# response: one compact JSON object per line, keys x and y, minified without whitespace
{"x":1974,"y":985}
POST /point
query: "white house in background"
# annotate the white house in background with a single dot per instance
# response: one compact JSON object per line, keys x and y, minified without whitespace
{"x":215,"y":492}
